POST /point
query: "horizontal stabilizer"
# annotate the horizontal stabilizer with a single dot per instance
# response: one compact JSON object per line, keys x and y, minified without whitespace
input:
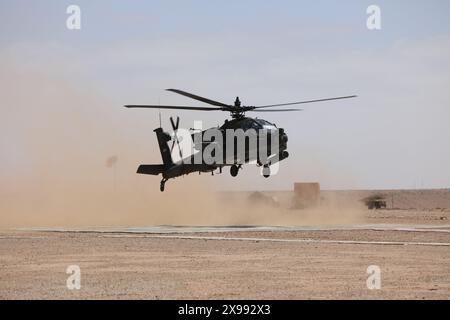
{"x":153,"y":169}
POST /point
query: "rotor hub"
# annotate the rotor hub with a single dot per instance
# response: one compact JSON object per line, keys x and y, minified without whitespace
{"x":237,"y":102}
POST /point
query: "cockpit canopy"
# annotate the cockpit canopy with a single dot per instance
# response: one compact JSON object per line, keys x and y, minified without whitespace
{"x":249,"y":123}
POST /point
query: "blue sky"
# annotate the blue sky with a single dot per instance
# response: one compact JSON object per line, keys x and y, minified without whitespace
{"x":116,"y":21}
{"x":265,"y":52}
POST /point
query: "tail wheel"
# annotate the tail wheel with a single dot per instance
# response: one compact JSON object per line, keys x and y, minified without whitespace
{"x":162,"y":185}
{"x":266,"y":171}
{"x":234,"y":170}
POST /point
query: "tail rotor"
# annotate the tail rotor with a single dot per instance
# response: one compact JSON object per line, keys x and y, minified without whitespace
{"x":176,"y":140}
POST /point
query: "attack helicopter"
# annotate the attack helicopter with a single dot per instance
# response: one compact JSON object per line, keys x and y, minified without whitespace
{"x":265,"y":152}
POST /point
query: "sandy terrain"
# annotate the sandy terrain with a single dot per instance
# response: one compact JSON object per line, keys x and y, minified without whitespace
{"x":412,"y":248}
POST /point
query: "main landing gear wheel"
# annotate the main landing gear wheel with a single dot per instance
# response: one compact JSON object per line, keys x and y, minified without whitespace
{"x":266,"y":171}
{"x":234,"y":170}
{"x":162,"y":185}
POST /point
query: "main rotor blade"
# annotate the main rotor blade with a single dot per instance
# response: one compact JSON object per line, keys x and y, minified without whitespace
{"x":174,"y":107}
{"x":302,"y":102}
{"x":205,"y":100}
{"x":277,"y":110}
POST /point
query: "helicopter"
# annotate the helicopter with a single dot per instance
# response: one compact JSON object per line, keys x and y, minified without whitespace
{"x":265,"y":152}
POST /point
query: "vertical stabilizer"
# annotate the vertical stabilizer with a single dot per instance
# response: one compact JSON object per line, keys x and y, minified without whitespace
{"x":163,"y":138}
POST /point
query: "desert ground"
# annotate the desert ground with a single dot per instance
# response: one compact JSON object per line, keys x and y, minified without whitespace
{"x":301,"y":258}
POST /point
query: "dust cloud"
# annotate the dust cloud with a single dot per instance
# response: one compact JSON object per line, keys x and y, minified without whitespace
{"x":67,"y":160}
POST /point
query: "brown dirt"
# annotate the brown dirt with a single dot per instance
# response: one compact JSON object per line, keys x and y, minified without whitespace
{"x":115,"y":266}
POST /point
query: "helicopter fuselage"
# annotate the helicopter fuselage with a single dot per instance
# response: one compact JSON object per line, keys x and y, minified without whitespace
{"x":235,"y":143}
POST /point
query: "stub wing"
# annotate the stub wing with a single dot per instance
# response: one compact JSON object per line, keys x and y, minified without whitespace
{"x":152,"y":169}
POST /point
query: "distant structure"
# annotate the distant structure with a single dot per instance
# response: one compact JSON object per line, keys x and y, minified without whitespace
{"x":376,"y":201}
{"x":306,"y":194}
{"x":111,"y":162}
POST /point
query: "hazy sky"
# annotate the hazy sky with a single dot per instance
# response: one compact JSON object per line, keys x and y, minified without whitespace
{"x":394,"y":135}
